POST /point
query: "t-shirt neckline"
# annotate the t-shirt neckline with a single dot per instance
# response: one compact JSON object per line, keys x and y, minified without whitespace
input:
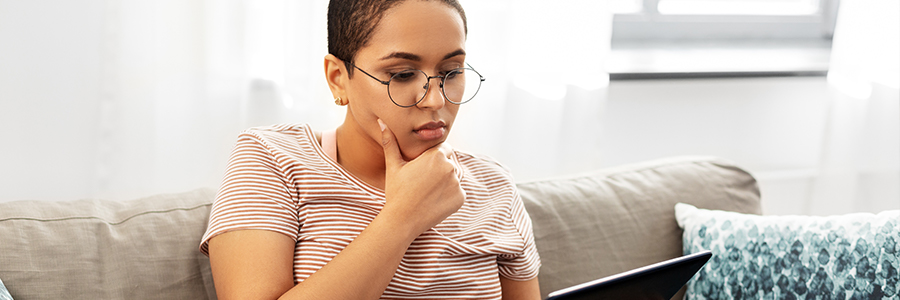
{"x":320,"y":152}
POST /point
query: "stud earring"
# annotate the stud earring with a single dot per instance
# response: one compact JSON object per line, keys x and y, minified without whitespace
{"x":340,"y":101}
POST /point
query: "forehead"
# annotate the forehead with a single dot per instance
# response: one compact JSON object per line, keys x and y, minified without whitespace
{"x":428,"y":29}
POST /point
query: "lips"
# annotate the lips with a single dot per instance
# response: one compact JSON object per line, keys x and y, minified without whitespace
{"x":430,"y":130}
{"x":430,"y":126}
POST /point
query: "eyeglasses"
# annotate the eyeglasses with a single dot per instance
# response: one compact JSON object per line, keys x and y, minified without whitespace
{"x":408,"y":88}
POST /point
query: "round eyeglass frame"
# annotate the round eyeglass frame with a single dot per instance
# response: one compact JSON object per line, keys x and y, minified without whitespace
{"x":427,"y":84}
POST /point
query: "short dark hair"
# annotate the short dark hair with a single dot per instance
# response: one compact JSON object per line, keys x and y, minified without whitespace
{"x":351,"y":23}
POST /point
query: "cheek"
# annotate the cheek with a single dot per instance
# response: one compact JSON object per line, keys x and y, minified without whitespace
{"x":367,"y":106}
{"x":450,"y":117}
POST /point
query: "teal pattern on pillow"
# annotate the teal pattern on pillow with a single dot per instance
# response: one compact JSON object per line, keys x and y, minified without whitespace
{"x":4,"y":294}
{"x":853,"y":256}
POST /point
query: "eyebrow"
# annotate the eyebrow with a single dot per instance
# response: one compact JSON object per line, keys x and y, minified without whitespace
{"x":413,"y":57}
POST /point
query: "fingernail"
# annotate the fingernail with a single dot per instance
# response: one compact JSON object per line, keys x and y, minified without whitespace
{"x":381,"y":124}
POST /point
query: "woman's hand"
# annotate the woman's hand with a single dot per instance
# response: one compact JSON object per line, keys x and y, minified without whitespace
{"x":421,"y":192}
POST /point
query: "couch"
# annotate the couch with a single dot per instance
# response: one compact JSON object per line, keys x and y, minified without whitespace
{"x":586,"y":226}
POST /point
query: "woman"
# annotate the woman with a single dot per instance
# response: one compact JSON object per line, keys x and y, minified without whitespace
{"x":380,"y":207}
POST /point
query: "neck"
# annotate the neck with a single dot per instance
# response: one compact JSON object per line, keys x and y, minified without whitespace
{"x":359,"y":154}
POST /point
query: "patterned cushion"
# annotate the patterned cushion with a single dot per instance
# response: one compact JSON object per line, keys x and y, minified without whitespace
{"x":4,"y":294}
{"x":853,"y":256}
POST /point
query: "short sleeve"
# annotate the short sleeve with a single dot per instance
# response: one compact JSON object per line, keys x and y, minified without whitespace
{"x":525,"y":265}
{"x":255,"y":193}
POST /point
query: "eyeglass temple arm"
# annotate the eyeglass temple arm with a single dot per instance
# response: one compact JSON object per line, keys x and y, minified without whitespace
{"x":476,"y":72}
{"x":388,"y":82}
{"x":370,"y":75}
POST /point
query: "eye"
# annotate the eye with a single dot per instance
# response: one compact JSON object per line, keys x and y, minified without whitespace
{"x":451,"y":73}
{"x":403,"y":76}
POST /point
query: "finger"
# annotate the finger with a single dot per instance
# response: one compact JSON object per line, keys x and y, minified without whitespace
{"x":392,"y":156}
{"x":456,"y":164}
{"x":447,"y":149}
{"x":444,"y":149}
{"x":447,"y":152}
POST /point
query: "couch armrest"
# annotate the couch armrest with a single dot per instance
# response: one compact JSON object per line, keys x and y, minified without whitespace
{"x":613,"y":220}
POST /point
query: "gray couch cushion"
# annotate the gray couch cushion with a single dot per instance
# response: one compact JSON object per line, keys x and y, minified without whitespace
{"x":585,"y":227}
{"x":95,"y":249}
{"x":617,"y":219}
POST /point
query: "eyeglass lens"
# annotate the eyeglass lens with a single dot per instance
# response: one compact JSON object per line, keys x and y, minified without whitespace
{"x":409,"y":87}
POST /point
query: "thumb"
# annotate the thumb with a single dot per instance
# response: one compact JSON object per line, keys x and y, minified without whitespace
{"x":392,"y":156}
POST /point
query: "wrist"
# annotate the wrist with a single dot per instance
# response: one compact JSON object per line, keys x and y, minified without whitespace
{"x":398,"y":225}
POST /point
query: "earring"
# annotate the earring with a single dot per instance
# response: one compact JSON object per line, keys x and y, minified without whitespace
{"x":341,"y":102}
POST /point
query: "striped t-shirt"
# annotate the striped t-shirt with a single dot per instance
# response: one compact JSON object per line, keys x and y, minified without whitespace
{"x":278,"y":178}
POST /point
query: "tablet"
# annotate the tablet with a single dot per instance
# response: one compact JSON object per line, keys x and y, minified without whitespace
{"x":657,"y":281}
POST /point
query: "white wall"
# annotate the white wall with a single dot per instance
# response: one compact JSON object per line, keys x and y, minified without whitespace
{"x":776,"y":128}
{"x":80,"y":122}
{"x":49,"y":93}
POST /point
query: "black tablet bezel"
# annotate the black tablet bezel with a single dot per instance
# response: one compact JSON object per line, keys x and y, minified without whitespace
{"x":646,"y":278}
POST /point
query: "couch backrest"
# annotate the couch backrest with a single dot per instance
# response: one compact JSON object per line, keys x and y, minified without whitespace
{"x":597,"y":224}
{"x":100,"y":249}
{"x":586,"y":227}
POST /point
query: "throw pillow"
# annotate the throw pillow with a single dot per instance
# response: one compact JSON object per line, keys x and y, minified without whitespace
{"x":4,"y":294}
{"x":853,"y":256}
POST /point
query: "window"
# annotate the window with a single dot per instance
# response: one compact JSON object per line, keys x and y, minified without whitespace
{"x":716,"y":36}
{"x":723,"y":19}
{"x":739,"y":7}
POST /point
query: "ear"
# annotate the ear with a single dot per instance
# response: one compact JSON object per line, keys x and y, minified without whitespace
{"x":335,"y":71}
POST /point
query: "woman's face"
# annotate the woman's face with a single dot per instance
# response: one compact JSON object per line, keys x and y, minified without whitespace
{"x":423,"y":35}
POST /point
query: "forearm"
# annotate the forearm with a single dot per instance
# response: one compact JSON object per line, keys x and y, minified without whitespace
{"x":520,"y":290}
{"x":364,"y":268}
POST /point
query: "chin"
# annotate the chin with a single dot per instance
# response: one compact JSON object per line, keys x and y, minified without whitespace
{"x":412,"y":152}
{"x":410,"y":155}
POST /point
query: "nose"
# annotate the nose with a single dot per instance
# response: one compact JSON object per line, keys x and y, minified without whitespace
{"x":434,"y":98}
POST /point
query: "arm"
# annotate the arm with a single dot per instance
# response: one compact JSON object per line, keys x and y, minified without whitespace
{"x":258,"y":264}
{"x":525,"y":265}
{"x":240,"y":273}
{"x":520,"y":290}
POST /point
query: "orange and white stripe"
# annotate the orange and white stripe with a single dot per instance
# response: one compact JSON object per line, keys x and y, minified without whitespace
{"x":280,"y":179}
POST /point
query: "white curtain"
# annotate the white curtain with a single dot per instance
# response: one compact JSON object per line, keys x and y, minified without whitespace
{"x":180,"y":79}
{"x":141,"y":97}
{"x":860,"y":164}
{"x":546,"y":87}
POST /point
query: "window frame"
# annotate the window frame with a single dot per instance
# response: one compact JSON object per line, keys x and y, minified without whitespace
{"x":649,"y":24}
{"x":651,"y":45}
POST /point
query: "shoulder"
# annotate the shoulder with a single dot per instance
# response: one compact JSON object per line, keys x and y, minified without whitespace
{"x":282,"y":143}
{"x":278,"y":137}
{"x":278,"y":132}
{"x":484,"y":168}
